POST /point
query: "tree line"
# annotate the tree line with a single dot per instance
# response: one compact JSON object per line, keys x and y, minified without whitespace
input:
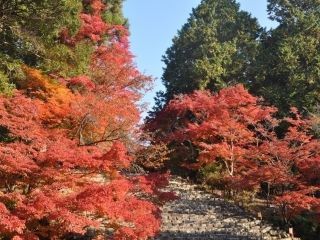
{"x":221,"y":45}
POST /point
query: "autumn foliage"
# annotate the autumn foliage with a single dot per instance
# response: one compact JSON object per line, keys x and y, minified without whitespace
{"x":250,"y":148}
{"x":63,"y":145}
{"x":68,"y":130}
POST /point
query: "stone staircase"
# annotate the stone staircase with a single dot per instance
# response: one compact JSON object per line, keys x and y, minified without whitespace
{"x":197,"y":215}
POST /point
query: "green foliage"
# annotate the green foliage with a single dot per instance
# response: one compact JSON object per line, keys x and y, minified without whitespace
{"x":213,"y":174}
{"x":69,"y":61}
{"x":114,"y":13}
{"x":29,"y":33}
{"x":6,"y":88}
{"x":28,"y":27}
{"x":308,"y":228}
{"x":287,"y":69}
{"x":213,"y":49}
{"x":221,"y":45}
{"x":11,"y":68}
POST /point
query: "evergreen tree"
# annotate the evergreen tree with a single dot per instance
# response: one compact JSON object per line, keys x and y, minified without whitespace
{"x":213,"y":49}
{"x":288,"y":66}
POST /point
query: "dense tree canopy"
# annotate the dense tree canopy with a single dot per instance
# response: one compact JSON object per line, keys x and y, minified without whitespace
{"x":29,"y":33}
{"x":221,"y":45}
{"x":289,"y":56}
{"x":215,"y":47}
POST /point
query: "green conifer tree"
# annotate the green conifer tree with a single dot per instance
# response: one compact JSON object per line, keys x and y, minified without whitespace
{"x":287,"y":70}
{"x":214,"y":48}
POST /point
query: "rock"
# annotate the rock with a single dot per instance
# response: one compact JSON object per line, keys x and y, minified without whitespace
{"x":266,"y":229}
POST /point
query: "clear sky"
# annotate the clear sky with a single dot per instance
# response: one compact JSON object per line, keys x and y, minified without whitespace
{"x":153,"y":24}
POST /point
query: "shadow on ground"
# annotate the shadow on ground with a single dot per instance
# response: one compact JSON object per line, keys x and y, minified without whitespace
{"x":176,"y":235}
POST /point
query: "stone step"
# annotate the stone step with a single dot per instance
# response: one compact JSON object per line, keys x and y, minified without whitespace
{"x":198,"y":215}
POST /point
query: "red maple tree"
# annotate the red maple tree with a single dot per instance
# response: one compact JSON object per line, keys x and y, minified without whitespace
{"x":235,"y":130}
{"x":63,"y":146}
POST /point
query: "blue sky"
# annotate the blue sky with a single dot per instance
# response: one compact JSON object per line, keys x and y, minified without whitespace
{"x":153,"y":24}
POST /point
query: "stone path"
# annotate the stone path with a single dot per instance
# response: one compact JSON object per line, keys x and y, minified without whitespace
{"x":197,"y":215}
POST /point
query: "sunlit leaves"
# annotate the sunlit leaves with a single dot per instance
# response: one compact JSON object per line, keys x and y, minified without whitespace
{"x":239,"y":137}
{"x":63,"y":137}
